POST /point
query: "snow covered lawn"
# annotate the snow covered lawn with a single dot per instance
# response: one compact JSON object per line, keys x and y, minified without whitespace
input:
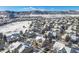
{"x":15,"y":27}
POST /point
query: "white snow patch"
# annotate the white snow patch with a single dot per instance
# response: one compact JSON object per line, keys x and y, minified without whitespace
{"x":15,"y":27}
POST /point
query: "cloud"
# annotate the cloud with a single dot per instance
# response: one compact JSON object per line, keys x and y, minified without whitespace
{"x":32,"y":8}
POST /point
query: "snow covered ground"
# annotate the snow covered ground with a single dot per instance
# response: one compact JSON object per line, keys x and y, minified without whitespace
{"x":55,"y":15}
{"x":15,"y":27}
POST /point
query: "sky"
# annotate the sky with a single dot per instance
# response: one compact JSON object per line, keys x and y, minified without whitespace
{"x":29,"y":8}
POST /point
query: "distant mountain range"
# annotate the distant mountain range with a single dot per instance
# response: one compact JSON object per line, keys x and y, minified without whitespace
{"x":54,"y":12}
{"x":40,"y":12}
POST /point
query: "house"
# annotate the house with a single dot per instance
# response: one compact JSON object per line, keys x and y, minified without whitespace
{"x":58,"y":46}
{"x":20,"y":47}
{"x":13,"y":37}
{"x":25,"y":49}
{"x":14,"y":47}
{"x":74,"y":50}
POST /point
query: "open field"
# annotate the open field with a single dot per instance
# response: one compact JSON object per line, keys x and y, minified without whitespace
{"x":15,"y":27}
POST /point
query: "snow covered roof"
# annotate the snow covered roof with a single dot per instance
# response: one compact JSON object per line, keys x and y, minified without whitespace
{"x":40,"y":37}
{"x":12,"y":37}
{"x":73,"y":37}
{"x":14,"y":45}
{"x":68,"y":50}
{"x":58,"y":46}
{"x":22,"y":48}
